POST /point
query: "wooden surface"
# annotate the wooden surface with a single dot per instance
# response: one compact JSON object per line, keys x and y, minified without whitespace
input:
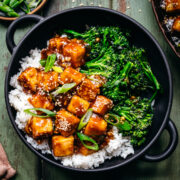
{"x":30,"y":167}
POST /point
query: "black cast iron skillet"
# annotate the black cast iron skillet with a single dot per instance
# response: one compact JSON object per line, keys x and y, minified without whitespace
{"x":78,"y":19}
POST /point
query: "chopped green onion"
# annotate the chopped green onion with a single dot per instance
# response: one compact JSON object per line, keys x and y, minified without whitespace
{"x":63,"y":89}
{"x":50,"y":62}
{"x":85,"y":119}
{"x":115,"y":121}
{"x":57,"y":69}
{"x":49,"y":113}
{"x":83,"y":138}
{"x":43,"y":62}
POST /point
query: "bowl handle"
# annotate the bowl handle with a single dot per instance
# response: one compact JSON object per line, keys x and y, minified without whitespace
{"x":171,"y":128}
{"x":12,"y":28}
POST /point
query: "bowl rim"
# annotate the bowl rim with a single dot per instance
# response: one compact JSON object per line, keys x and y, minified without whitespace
{"x":6,"y":18}
{"x":133,"y":157}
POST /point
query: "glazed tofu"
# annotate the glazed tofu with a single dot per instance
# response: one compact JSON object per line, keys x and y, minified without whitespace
{"x":65,"y":123}
{"x":40,"y":127}
{"x":172,"y":5}
{"x":78,"y":106}
{"x":62,"y":146}
{"x":102,"y":105}
{"x":88,"y":90}
{"x":85,"y":151}
{"x":96,"y":126}
{"x":41,"y":101}
{"x":176,"y":24}
{"x":48,"y":81}
{"x":97,"y":80}
{"x":76,"y":51}
{"x":57,"y":43}
{"x":70,"y":75}
{"x":28,"y":79}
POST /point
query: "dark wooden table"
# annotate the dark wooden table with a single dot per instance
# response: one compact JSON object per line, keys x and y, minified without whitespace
{"x":30,"y":167}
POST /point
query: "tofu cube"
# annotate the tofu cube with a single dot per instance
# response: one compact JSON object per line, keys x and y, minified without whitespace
{"x":172,"y":5}
{"x":62,"y":146}
{"x":96,"y":126}
{"x":41,"y":101}
{"x":85,"y":151}
{"x":78,"y":106}
{"x":88,"y":90}
{"x":76,"y":50}
{"x":48,"y":81}
{"x":176,"y":24}
{"x":41,"y":127}
{"x":98,"y":80}
{"x":70,"y":75}
{"x":57,"y":43}
{"x":101,"y":105}
{"x":28,"y":79}
{"x":66,"y":123}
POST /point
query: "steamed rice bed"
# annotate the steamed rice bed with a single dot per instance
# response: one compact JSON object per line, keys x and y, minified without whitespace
{"x":119,"y":146}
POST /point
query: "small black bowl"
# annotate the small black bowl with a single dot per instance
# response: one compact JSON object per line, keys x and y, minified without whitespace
{"x":78,"y":19}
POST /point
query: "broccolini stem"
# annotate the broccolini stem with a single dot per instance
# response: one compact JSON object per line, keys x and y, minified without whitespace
{"x":153,"y":96}
{"x":128,"y":117}
{"x":99,"y":65}
{"x":150,"y":75}
{"x":124,"y":73}
{"x":157,"y":85}
{"x":76,"y":34}
{"x":96,"y":72}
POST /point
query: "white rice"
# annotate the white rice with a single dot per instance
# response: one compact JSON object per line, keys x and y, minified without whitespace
{"x":119,"y":146}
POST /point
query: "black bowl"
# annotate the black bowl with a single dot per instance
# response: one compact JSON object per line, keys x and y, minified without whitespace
{"x":78,"y":19}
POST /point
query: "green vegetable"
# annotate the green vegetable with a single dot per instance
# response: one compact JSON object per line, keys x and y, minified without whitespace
{"x":9,"y":11}
{"x":8,"y":6}
{"x":139,"y":114}
{"x":63,"y":89}
{"x":15,"y":3}
{"x":25,"y":7}
{"x":115,"y":120}
{"x":49,"y":113}
{"x":50,"y":62}
{"x":43,"y":62}
{"x":84,"y":120}
{"x":84,"y":138}
{"x":32,"y":3}
{"x":6,"y":2}
{"x":57,"y":69}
